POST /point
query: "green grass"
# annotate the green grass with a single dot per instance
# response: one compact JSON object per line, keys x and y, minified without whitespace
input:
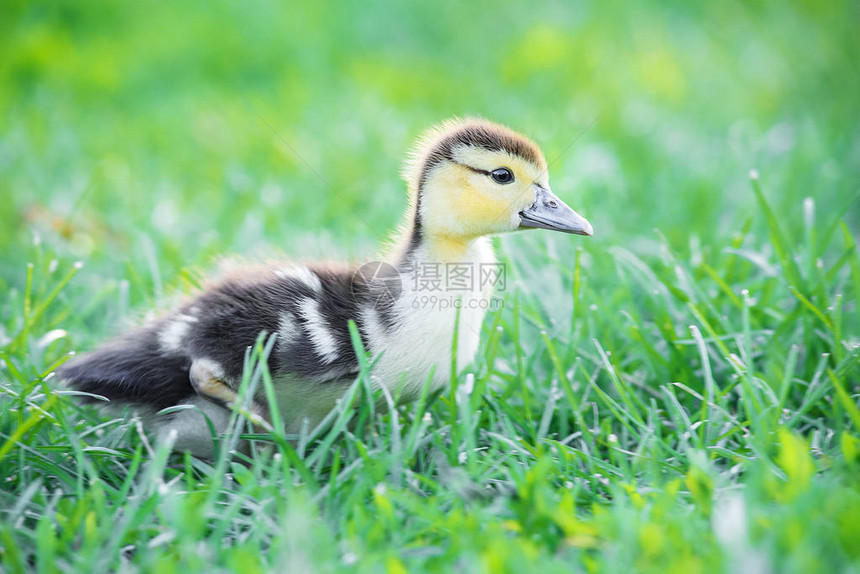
{"x":677,"y":394}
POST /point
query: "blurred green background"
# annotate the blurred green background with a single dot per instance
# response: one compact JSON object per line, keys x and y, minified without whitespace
{"x":149,"y":139}
{"x":124,"y":125}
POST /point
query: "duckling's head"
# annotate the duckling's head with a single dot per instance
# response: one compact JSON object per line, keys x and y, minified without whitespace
{"x":472,"y":177}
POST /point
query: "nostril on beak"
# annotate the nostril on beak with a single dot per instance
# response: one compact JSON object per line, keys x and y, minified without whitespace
{"x":552,"y":203}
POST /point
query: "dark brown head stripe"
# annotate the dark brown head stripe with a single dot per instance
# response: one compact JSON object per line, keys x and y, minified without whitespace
{"x":482,"y":136}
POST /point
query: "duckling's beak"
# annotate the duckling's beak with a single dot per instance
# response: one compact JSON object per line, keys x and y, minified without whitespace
{"x":549,"y":212}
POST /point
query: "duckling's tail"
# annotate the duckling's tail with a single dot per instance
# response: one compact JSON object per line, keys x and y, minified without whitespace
{"x":131,"y":370}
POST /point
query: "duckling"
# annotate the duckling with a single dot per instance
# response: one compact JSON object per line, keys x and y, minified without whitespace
{"x":467,"y":179}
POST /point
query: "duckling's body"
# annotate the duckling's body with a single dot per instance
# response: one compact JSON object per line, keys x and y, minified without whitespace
{"x":468,"y":179}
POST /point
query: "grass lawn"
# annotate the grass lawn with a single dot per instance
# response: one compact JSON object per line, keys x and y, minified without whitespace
{"x":678,"y":393}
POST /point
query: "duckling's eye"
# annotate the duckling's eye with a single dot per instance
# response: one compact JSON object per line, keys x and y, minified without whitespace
{"x":502,"y":175}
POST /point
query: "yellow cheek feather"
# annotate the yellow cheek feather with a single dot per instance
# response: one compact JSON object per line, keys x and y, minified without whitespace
{"x":500,"y":203}
{"x":446,"y":228}
{"x":458,"y":210}
{"x":484,"y":214}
